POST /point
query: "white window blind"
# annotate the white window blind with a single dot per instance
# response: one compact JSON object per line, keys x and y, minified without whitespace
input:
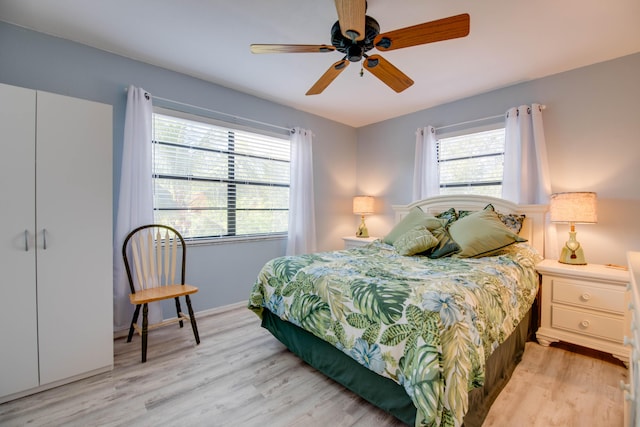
{"x":472,"y":163}
{"x":215,"y":181}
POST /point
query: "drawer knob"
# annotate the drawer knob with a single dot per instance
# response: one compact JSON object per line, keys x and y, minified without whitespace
{"x":623,"y":386}
{"x":628,"y":341}
{"x":585,"y":324}
{"x":585,"y":296}
{"x":628,"y":396}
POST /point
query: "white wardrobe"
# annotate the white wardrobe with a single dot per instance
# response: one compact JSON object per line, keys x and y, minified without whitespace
{"x":55,"y":240}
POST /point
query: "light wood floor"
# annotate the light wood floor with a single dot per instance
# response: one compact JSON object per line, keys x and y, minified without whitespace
{"x":241,"y":376}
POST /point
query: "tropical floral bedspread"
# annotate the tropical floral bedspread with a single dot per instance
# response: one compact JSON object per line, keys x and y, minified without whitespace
{"x":428,"y":324}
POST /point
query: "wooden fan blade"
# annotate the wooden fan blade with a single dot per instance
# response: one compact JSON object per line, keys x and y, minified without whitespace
{"x":328,"y":77}
{"x":387,"y":72}
{"x":290,"y":48}
{"x":351,"y":16}
{"x":429,"y":32}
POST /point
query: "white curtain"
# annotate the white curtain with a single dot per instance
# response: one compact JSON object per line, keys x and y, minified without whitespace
{"x":135,"y":202}
{"x":302,"y":220}
{"x":526,"y":169}
{"x":426,"y":176}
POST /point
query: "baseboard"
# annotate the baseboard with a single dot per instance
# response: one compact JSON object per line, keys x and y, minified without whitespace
{"x":203,"y":313}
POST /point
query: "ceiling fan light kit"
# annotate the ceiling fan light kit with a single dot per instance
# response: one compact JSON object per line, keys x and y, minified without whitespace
{"x":355,"y":34}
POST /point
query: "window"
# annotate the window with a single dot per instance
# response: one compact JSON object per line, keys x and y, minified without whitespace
{"x":472,"y":163}
{"x":213,"y":181}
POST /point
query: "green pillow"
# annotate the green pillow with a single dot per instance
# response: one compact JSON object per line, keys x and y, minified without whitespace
{"x":481,"y":233}
{"x":415,"y":218}
{"x":414,"y":241}
{"x":446,"y":245}
{"x":512,"y":221}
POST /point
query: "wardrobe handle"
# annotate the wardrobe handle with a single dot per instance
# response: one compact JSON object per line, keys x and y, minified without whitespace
{"x":26,"y":240}
{"x":44,"y":239}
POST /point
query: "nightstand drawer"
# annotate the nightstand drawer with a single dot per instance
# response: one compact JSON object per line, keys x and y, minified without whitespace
{"x":588,"y":323}
{"x":587,"y":296}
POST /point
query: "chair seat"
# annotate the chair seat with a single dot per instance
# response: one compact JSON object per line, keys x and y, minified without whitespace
{"x":161,"y":293}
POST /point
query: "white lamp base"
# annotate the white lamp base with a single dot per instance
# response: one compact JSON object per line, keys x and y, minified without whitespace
{"x":569,"y":257}
{"x":572,"y":252}
{"x":362,"y":229}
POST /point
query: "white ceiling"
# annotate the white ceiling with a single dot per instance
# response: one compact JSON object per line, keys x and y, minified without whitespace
{"x":510,"y":41}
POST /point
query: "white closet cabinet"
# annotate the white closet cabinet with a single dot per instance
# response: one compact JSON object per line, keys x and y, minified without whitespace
{"x":56,"y":240}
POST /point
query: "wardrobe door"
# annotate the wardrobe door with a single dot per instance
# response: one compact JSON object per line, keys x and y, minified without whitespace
{"x":18,"y":319}
{"x":74,"y":236}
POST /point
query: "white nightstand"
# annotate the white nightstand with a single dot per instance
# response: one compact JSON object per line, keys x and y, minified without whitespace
{"x":356,"y":242}
{"x":586,"y":305}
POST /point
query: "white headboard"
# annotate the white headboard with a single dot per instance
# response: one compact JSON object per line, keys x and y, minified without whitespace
{"x":532,"y":228}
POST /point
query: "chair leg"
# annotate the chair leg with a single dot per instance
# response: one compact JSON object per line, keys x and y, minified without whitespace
{"x":178,"y":310}
{"x":136,"y":313}
{"x":145,"y":326}
{"x":193,"y":319}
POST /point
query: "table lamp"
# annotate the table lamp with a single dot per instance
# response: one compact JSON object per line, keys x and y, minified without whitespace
{"x":572,"y":208}
{"x":363,"y":205}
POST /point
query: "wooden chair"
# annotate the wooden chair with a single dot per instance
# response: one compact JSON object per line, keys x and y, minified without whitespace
{"x":155,"y":250}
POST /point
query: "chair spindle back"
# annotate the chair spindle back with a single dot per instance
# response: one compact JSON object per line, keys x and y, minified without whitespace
{"x":155,"y":250}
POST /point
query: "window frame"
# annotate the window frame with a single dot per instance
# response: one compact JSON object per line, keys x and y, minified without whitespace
{"x":213,"y":240}
{"x":468,"y":131}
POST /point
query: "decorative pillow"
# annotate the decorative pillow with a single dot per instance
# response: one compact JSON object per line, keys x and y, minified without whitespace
{"x":415,"y":218}
{"x":462,"y":214}
{"x":414,"y":241}
{"x":449,"y":215}
{"x":512,"y":221}
{"x":481,"y":233}
{"x":446,"y":245}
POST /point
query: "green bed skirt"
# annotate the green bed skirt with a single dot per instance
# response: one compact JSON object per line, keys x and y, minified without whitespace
{"x":385,"y":393}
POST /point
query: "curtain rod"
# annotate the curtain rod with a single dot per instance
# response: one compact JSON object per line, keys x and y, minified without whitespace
{"x":184,"y":104}
{"x":477,"y":120}
{"x":223,"y":114}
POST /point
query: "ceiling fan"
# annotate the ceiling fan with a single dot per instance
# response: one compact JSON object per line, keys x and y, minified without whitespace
{"x":355,"y":34}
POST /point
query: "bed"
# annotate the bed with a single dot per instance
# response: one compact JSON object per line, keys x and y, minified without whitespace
{"x":429,"y":335}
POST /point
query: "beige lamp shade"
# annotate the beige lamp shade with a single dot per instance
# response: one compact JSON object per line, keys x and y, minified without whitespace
{"x":579,"y":207}
{"x":363,"y":205}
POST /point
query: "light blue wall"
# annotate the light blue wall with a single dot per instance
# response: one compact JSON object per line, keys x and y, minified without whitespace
{"x":224,"y":272}
{"x":591,"y":124}
{"x":592,"y":129}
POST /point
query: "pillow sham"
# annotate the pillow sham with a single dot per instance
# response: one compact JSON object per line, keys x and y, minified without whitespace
{"x":481,"y":233}
{"x":415,"y":218}
{"x":416,"y":240}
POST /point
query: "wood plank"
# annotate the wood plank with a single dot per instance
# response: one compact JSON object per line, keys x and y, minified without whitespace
{"x":241,"y":375}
